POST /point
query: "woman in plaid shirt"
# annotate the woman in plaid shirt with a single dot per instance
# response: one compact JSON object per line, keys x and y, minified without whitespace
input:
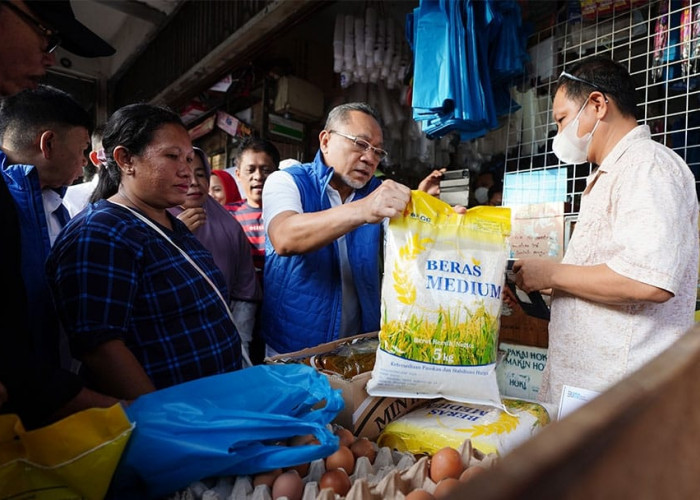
{"x":137,"y":293}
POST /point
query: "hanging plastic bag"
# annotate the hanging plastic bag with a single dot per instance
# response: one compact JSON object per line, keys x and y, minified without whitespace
{"x":435,"y":93}
{"x":441,"y":303}
{"x":229,"y":424}
{"x":73,"y":458}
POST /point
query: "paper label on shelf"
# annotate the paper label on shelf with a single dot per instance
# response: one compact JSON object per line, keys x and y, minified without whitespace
{"x":520,"y":372}
{"x":572,"y":398}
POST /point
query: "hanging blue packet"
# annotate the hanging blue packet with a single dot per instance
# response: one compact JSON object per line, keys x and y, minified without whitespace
{"x":432,"y":86}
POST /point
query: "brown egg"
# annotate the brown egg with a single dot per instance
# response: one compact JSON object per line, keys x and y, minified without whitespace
{"x":288,"y":484}
{"x":342,"y":458}
{"x":303,"y":439}
{"x":419,"y":494}
{"x":345,"y":437}
{"x":363,"y":447}
{"x":302,"y":469}
{"x":337,"y":480}
{"x":446,"y":487}
{"x":446,"y":462}
{"x":470,"y":472}
{"x":266,"y":478}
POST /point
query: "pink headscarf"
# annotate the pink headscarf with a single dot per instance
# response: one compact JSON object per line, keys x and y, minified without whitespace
{"x":230,"y":186}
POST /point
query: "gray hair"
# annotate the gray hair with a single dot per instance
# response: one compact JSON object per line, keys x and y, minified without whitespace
{"x":340,"y":113}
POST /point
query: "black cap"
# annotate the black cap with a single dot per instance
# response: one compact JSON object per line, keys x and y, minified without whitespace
{"x":75,"y":36}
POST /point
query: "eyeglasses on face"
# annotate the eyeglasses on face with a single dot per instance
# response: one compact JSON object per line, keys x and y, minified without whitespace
{"x":53,"y":39}
{"x":362,"y":145}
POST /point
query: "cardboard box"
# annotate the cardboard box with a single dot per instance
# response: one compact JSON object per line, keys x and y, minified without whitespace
{"x":521,"y":328}
{"x":300,"y":98}
{"x":364,"y":415}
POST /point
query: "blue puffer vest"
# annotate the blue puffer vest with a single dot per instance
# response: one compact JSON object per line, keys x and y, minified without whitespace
{"x":23,"y":183}
{"x":302,"y":301}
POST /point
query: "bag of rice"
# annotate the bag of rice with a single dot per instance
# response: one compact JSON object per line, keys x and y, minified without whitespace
{"x":441,"y":303}
{"x":443,"y":423}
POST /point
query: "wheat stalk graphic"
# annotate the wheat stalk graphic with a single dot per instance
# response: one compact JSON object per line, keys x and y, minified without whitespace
{"x":504,"y":425}
{"x":404,"y":287}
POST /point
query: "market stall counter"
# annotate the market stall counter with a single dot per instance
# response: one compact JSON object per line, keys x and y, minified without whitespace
{"x":636,"y":440}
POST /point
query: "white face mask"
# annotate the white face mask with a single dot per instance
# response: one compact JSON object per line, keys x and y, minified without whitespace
{"x":568,"y":146}
{"x":481,"y":195}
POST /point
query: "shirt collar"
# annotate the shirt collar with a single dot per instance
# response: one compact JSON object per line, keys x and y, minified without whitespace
{"x":52,"y":200}
{"x":637,"y":133}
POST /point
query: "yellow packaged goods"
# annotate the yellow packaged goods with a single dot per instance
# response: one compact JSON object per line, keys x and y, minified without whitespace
{"x":73,"y":458}
{"x":441,"y":303}
{"x":443,"y":423}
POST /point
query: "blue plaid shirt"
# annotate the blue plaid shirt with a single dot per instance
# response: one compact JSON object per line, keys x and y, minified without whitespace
{"x":114,"y":277}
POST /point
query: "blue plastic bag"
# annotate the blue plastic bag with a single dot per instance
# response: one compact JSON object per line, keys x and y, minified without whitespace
{"x":229,"y":424}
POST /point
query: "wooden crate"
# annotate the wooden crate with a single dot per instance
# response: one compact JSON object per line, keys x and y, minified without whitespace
{"x":639,"y":439}
{"x":520,"y":328}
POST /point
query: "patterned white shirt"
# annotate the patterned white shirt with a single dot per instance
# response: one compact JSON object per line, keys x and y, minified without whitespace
{"x":639,"y":216}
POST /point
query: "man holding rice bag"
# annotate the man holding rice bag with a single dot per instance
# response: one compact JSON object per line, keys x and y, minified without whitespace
{"x":323,"y":246}
{"x":626,"y":288}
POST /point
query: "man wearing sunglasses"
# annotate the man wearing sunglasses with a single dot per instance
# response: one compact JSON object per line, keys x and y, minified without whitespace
{"x":626,"y":288}
{"x":323,"y":245}
{"x":29,"y":33}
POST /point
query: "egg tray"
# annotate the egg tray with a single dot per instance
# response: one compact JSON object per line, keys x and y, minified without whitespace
{"x":392,"y":476}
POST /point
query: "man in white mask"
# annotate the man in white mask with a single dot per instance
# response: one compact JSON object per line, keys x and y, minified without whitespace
{"x":626,"y":288}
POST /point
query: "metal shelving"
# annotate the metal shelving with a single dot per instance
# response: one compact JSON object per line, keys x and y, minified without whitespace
{"x":668,"y":81}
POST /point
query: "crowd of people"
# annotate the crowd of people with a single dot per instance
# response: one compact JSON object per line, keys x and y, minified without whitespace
{"x":164,"y":271}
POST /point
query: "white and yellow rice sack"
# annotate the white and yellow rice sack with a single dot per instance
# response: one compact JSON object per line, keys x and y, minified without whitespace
{"x":441,"y":302}
{"x":443,"y":423}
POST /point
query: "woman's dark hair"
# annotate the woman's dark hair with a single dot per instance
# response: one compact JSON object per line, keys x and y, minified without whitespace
{"x":132,"y":127}
{"x":605,"y":75}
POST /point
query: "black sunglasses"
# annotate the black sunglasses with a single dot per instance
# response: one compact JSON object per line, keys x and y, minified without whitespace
{"x":52,"y":37}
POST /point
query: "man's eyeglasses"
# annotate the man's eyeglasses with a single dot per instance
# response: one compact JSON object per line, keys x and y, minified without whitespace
{"x":569,"y":76}
{"x":52,"y":37}
{"x":362,"y":145}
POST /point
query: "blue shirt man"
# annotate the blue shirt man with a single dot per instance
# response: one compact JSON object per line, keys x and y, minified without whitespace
{"x":323,"y":244}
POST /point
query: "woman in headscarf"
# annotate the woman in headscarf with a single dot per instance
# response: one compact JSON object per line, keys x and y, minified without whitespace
{"x":223,"y":187}
{"x":224,"y":237}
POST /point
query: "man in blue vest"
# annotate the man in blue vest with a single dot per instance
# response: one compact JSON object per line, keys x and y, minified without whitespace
{"x":323,"y":222}
{"x":44,"y":135}
{"x":29,"y":33}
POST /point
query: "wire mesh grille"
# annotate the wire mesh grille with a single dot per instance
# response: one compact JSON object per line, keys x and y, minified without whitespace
{"x":658,"y":41}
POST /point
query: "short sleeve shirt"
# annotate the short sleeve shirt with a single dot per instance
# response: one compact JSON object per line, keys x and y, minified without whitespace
{"x":639,"y":216}
{"x":281,"y":194}
{"x":250,"y":219}
{"x":114,"y":277}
